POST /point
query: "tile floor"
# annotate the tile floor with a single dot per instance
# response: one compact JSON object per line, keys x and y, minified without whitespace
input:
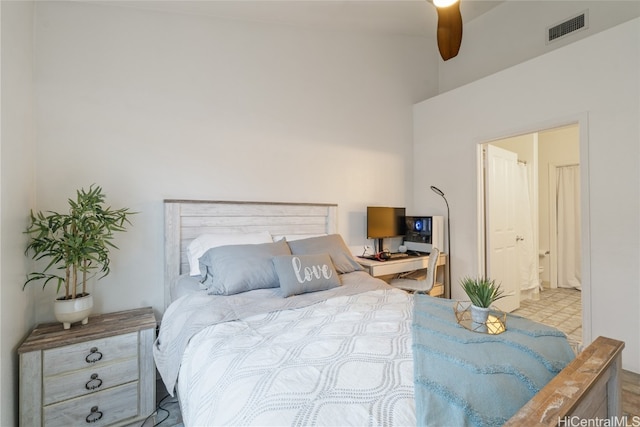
{"x":561,"y":308}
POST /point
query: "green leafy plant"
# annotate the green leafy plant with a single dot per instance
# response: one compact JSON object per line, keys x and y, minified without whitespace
{"x":77,"y":243}
{"x":482,"y":291}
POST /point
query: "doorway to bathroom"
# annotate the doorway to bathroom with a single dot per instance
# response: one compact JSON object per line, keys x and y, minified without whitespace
{"x":531,"y":224}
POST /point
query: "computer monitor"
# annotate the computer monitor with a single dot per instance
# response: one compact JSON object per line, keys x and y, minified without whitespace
{"x":385,"y":222}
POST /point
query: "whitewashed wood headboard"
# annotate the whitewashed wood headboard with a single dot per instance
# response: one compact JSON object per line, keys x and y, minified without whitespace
{"x":184,"y":220}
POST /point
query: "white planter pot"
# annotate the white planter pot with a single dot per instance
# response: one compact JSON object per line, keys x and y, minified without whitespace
{"x":73,"y":310}
{"x":479,"y":316}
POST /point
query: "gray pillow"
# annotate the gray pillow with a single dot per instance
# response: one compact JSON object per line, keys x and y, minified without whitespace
{"x":299,"y":274}
{"x":334,"y":245}
{"x":239,"y":268}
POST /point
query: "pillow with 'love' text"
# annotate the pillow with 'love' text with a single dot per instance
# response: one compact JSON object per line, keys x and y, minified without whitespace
{"x":299,"y":274}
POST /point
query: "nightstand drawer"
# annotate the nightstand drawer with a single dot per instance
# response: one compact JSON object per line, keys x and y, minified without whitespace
{"x":89,"y":354}
{"x":98,"y":409}
{"x":57,"y":366}
{"x":89,"y":380}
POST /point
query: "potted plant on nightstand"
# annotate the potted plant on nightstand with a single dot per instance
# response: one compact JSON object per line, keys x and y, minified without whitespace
{"x":482,"y":292}
{"x":77,"y":245}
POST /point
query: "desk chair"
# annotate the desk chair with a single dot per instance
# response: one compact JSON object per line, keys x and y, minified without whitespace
{"x":422,"y":285}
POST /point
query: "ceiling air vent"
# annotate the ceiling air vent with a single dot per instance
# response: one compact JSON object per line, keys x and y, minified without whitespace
{"x":571,"y":25}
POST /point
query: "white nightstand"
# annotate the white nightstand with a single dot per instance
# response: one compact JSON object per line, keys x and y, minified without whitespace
{"x":387,"y":270}
{"x":101,"y":373}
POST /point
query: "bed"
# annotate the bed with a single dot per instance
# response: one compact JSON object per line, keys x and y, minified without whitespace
{"x":333,"y":346}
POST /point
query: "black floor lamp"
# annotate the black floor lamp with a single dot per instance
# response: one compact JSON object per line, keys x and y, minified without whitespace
{"x":440,"y":193}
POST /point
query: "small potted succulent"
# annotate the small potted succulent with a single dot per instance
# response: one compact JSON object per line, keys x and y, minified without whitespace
{"x":76,"y":245}
{"x":482,"y":292}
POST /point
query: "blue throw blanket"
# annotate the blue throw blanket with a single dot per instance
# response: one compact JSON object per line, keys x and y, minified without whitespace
{"x":465,"y":378}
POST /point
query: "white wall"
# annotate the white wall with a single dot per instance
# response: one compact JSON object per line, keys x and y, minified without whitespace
{"x":515,"y":31}
{"x":594,"y":80}
{"x":152,"y":105}
{"x":16,"y":178}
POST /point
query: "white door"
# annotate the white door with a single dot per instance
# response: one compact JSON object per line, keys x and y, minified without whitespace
{"x":500,"y":181}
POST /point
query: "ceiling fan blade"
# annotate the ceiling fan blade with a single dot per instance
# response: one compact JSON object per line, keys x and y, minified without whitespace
{"x":449,"y":30}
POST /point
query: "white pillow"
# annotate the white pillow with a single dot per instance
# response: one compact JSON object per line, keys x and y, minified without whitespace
{"x":203,"y":243}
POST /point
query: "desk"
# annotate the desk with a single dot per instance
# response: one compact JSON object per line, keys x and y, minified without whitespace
{"x":386,"y":270}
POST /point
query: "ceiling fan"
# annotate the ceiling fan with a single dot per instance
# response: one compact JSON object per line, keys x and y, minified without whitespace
{"x":449,"y":27}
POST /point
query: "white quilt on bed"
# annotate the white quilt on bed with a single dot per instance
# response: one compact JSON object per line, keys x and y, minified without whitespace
{"x":343,"y":361}
{"x":191,"y":313}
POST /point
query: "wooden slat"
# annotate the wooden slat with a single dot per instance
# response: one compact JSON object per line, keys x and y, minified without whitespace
{"x":594,"y":405}
{"x":31,"y":389}
{"x":631,"y":393}
{"x":254,"y":221}
{"x":172,"y":247}
{"x":191,"y":233}
{"x":221,"y":208}
{"x":52,"y":335}
{"x":578,"y":387}
{"x":147,"y":372}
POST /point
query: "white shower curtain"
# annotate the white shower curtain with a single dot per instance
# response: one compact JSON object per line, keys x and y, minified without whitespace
{"x":526,"y":253}
{"x":568,"y":221}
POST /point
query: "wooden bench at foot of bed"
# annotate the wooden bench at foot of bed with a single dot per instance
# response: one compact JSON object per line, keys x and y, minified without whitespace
{"x":588,"y":388}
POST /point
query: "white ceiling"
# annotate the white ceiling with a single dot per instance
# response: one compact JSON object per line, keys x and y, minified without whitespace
{"x":407,"y":17}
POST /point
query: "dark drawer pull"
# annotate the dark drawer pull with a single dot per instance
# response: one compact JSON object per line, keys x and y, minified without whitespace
{"x":94,"y":356}
{"x":94,"y":382}
{"x":94,"y":416}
